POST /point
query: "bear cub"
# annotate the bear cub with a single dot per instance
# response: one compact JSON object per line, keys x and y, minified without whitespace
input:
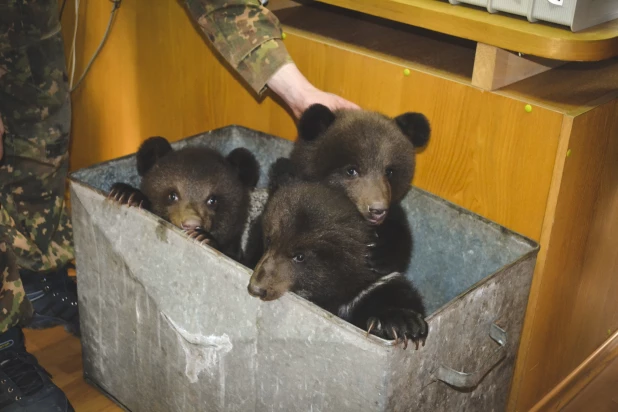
{"x":370,"y":157}
{"x":195,"y":188}
{"x":315,"y":245}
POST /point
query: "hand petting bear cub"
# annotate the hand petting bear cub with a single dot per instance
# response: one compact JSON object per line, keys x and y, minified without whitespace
{"x":315,"y":245}
{"x":196,"y":189}
{"x":371,"y":157}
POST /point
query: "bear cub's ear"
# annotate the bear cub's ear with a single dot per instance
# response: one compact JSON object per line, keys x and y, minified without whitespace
{"x":415,"y":126}
{"x":150,"y":152}
{"x":314,"y":121}
{"x":246,"y":166}
{"x":281,"y":173}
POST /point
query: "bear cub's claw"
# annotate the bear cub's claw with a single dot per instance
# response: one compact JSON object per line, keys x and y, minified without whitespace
{"x":399,"y":325}
{"x":202,"y":237}
{"x":127,"y":195}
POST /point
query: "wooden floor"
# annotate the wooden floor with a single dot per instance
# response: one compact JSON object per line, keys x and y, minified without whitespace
{"x":60,"y":353}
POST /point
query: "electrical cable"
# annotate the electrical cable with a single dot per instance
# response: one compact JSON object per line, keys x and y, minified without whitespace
{"x":96,"y":53}
{"x":72,"y":57}
{"x":64,"y":2}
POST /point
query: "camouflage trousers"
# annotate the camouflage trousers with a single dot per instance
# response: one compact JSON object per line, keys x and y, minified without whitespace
{"x":35,"y":230}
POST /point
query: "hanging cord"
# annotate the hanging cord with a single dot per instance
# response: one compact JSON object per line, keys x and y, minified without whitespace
{"x":72,"y":57}
{"x":96,"y":53}
{"x":64,"y":2}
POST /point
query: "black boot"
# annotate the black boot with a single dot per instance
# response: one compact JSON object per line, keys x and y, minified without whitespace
{"x":54,"y":299}
{"x":24,"y":385}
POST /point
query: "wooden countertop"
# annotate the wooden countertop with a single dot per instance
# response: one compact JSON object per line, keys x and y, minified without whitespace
{"x":508,"y":32}
{"x":571,"y":89}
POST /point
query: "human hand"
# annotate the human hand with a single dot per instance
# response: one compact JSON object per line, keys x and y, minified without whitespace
{"x":298,"y":93}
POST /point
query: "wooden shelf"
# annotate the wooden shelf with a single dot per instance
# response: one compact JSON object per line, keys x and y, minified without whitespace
{"x":443,"y":56}
{"x":508,"y":32}
{"x":411,"y":47}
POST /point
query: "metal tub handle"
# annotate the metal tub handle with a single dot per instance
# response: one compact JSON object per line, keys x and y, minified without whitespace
{"x":463,"y":380}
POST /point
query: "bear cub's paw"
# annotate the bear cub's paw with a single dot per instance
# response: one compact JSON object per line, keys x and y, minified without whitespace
{"x":128,"y":195}
{"x":377,"y":256}
{"x":399,"y":325}
{"x":202,"y":237}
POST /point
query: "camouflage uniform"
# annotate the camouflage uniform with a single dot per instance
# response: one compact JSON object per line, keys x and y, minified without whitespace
{"x":247,"y":36}
{"x":35,"y":229}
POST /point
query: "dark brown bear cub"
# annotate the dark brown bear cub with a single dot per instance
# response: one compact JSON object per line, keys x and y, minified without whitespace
{"x":372,"y":158}
{"x":315,"y":246}
{"x":196,"y":189}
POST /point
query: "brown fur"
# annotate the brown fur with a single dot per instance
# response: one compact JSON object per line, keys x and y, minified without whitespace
{"x":380,"y":150}
{"x":197,"y":189}
{"x":370,"y":157}
{"x":316,"y":244}
{"x":321,"y":224}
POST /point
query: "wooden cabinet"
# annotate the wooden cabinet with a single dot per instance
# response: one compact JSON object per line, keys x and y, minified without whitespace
{"x":539,"y":156}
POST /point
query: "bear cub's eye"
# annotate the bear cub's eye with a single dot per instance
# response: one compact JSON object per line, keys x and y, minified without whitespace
{"x":389,"y":172}
{"x":352,"y":171}
{"x":173,"y":196}
{"x":299,"y":258}
{"x":212,"y":201}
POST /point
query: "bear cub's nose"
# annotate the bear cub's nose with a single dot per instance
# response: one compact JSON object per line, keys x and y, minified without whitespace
{"x":256,"y":291}
{"x":191,"y":224}
{"x":377,"y":214}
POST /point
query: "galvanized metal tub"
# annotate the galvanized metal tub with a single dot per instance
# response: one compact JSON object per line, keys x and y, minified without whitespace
{"x":168,"y":324}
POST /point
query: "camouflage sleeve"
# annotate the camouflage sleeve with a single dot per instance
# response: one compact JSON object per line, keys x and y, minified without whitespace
{"x":247,"y":35}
